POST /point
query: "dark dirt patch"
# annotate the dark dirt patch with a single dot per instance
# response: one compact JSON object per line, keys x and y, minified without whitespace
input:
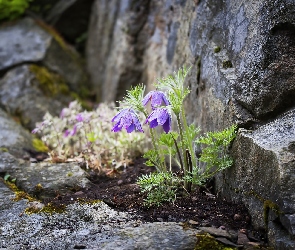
{"x":122,"y":193}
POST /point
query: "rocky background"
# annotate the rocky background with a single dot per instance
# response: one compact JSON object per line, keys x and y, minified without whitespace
{"x":242,"y":55}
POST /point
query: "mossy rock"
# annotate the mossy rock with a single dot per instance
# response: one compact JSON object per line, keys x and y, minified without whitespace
{"x":206,"y":241}
{"x":50,"y":83}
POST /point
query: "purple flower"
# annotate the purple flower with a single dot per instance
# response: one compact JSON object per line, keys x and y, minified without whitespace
{"x":79,"y":118}
{"x":160,"y":116}
{"x":67,"y":133}
{"x":156,"y":98}
{"x":35,"y":130}
{"x":127,"y":119}
{"x":74,"y":131}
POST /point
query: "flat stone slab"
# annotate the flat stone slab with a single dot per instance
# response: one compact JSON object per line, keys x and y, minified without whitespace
{"x":45,"y":180}
{"x":156,"y":236}
{"x":84,"y":226}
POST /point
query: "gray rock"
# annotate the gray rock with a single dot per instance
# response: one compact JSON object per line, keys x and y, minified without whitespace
{"x":91,"y":226}
{"x":26,"y":41}
{"x":156,"y":236}
{"x":263,"y":176}
{"x":29,"y":91}
{"x":81,"y":224}
{"x":279,"y":238}
{"x":216,"y":232}
{"x":21,"y":42}
{"x":115,"y":62}
{"x":45,"y":180}
{"x":225,"y":241}
{"x":13,"y":137}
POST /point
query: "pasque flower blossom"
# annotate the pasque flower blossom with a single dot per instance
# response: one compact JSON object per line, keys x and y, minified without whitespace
{"x":160,"y":116}
{"x":127,"y":119}
{"x":156,"y":97}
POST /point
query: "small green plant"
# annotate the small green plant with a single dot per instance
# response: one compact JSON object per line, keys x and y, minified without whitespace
{"x":85,"y":136}
{"x":175,"y":145}
{"x":12,"y":9}
{"x":159,"y":187}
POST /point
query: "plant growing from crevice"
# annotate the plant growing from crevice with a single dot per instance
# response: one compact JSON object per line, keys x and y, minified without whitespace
{"x":175,"y":146}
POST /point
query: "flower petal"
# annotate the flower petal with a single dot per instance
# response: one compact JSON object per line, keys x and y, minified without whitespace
{"x":118,"y":116}
{"x":130,"y":128}
{"x":147,"y":98}
{"x":163,"y":116}
{"x":167,"y":125}
{"x":154,"y":123}
{"x":117,"y":127}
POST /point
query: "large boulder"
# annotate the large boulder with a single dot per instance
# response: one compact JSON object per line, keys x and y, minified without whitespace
{"x":263,"y":176}
{"x":27,"y":41}
{"x":29,"y":91}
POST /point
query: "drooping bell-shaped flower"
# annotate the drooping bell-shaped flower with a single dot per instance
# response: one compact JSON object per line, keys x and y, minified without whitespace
{"x":157,"y":98}
{"x":127,"y":119}
{"x":160,"y":116}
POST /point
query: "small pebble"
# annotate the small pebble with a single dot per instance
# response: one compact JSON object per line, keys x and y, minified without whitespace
{"x":237,"y":217}
{"x":192,"y":222}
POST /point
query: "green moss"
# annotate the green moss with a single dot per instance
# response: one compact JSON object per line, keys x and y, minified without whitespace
{"x":3,"y":149}
{"x":217,"y":49}
{"x":227,"y":64}
{"x":267,"y":206}
{"x":12,"y":9}
{"x":39,"y":187}
{"x":69,"y":174}
{"x":19,"y":194}
{"x":206,"y":241}
{"x":39,"y":145}
{"x":50,"y":83}
{"x":49,"y":209}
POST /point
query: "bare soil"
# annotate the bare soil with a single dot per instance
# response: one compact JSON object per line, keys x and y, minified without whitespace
{"x":199,"y":208}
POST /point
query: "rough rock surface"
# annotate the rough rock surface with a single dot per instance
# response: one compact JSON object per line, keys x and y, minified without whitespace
{"x":27,"y":41}
{"x":13,"y":137}
{"x":264,"y":174}
{"x":29,"y":91}
{"x":116,"y":41}
{"x":45,"y":180}
{"x":84,"y":226}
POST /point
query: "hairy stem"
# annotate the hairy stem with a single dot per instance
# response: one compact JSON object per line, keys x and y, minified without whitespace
{"x":157,"y":151}
{"x":189,"y":139}
{"x":183,"y":149}
{"x":190,"y":166}
{"x":179,"y":155}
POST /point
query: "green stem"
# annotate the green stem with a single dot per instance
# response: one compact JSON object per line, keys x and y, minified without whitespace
{"x":161,"y":167}
{"x":190,"y":142}
{"x":182,"y":144}
{"x":179,"y":156}
{"x":156,"y":150}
